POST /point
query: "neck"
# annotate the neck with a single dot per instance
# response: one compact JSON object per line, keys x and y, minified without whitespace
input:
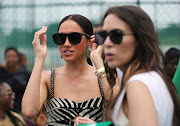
{"x":77,"y":67}
{"x":124,"y":68}
{"x":12,"y":69}
{"x":2,"y":115}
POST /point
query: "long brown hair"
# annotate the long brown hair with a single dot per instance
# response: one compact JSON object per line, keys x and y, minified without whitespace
{"x":148,"y":56}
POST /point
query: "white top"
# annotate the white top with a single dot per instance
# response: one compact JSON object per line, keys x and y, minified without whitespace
{"x":162,"y":100}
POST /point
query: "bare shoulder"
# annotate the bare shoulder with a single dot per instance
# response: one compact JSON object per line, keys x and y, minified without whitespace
{"x":140,"y":104}
{"x":46,"y":78}
{"x":46,"y":75}
{"x":137,"y":87}
{"x":138,"y":93}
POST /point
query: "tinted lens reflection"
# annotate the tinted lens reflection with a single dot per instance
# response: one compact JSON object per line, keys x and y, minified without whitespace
{"x":100,"y":37}
{"x":60,"y":38}
{"x":75,"y":38}
{"x":116,"y":36}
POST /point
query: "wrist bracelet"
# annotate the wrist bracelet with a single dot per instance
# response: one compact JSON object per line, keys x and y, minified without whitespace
{"x":100,"y":70}
{"x":101,"y":73}
{"x":102,"y":76}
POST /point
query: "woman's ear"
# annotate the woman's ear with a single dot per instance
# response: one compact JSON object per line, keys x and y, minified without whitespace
{"x":91,"y":41}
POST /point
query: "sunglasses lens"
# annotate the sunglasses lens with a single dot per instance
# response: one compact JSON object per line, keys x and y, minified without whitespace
{"x":100,"y":37}
{"x":116,"y":36}
{"x":75,"y":38}
{"x":59,"y":39}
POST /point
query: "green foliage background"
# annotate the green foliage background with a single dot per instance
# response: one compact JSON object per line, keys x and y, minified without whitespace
{"x":170,"y":35}
{"x":23,"y":38}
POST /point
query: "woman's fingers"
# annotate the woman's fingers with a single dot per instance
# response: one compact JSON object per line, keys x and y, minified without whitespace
{"x":44,"y":39}
{"x":97,"y":49}
{"x":83,"y":120}
{"x":40,"y":49}
{"x":38,"y":34}
{"x":94,"y":46}
{"x":92,"y":39}
{"x":100,"y":49}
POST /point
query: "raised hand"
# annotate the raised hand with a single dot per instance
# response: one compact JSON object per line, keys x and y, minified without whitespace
{"x":40,"y":49}
{"x":96,"y":55}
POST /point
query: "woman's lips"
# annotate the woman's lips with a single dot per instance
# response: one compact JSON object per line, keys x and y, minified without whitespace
{"x":67,"y":52}
{"x":109,"y":56}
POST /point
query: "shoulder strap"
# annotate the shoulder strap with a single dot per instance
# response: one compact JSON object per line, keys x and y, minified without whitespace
{"x":52,"y":82}
{"x":100,"y":87}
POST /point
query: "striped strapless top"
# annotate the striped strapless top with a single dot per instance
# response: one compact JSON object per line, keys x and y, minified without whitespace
{"x":61,"y":112}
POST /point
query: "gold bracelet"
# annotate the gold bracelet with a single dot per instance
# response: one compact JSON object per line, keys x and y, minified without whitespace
{"x":100,"y":73}
{"x":102,"y":76}
{"x":100,"y":70}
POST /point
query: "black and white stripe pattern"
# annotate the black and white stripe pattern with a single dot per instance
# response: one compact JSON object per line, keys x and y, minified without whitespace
{"x":52,"y":81}
{"x":60,"y":111}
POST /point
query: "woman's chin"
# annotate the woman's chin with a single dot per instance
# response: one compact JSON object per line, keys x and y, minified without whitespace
{"x":111,"y":64}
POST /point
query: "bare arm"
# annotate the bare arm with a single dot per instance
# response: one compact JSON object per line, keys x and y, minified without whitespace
{"x":141,"y":109}
{"x":36,"y":90}
{"x":95,"y":55}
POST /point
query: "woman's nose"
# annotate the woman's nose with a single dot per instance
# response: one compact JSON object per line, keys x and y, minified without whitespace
{"x":108,"y":42}
{"x":67,"y":42}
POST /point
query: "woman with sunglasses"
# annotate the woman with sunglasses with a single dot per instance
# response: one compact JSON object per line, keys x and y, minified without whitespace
{"x":73,"y":92}
{"x":147,"y":96}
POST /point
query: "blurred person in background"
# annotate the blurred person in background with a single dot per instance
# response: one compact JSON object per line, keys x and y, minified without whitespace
{"x":22,"y":59}
{"x":8,"y":117}
{"x":97,"y":28}
{"x":15,"y":74}
{"x":171,"y":60}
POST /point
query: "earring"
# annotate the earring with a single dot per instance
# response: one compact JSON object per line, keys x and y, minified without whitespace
{"x":87,"y":53}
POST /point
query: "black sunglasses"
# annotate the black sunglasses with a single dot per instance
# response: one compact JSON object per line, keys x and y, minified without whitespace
{"x":74,"y":38}
{"x":116,"y":36}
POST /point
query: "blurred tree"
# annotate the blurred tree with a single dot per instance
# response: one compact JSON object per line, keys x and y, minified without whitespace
{"x":169,"y":35}
{"x":19,"y":38}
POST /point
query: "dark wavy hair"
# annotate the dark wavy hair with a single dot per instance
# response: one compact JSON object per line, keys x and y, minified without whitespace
{"x":16,"y":121}
{"x":82,"y":21}
{"x":147,"y":56}
{"x":171,"y":54}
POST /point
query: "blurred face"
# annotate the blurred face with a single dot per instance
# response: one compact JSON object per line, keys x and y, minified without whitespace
{"x":172,"y":66}
{"x":118,"y":55}
{"x":70,"y":52}
{"x":96,"y":29}
{"x":11,"y":58}
{"x":6,"y":97}
{"x":23,"y":60}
